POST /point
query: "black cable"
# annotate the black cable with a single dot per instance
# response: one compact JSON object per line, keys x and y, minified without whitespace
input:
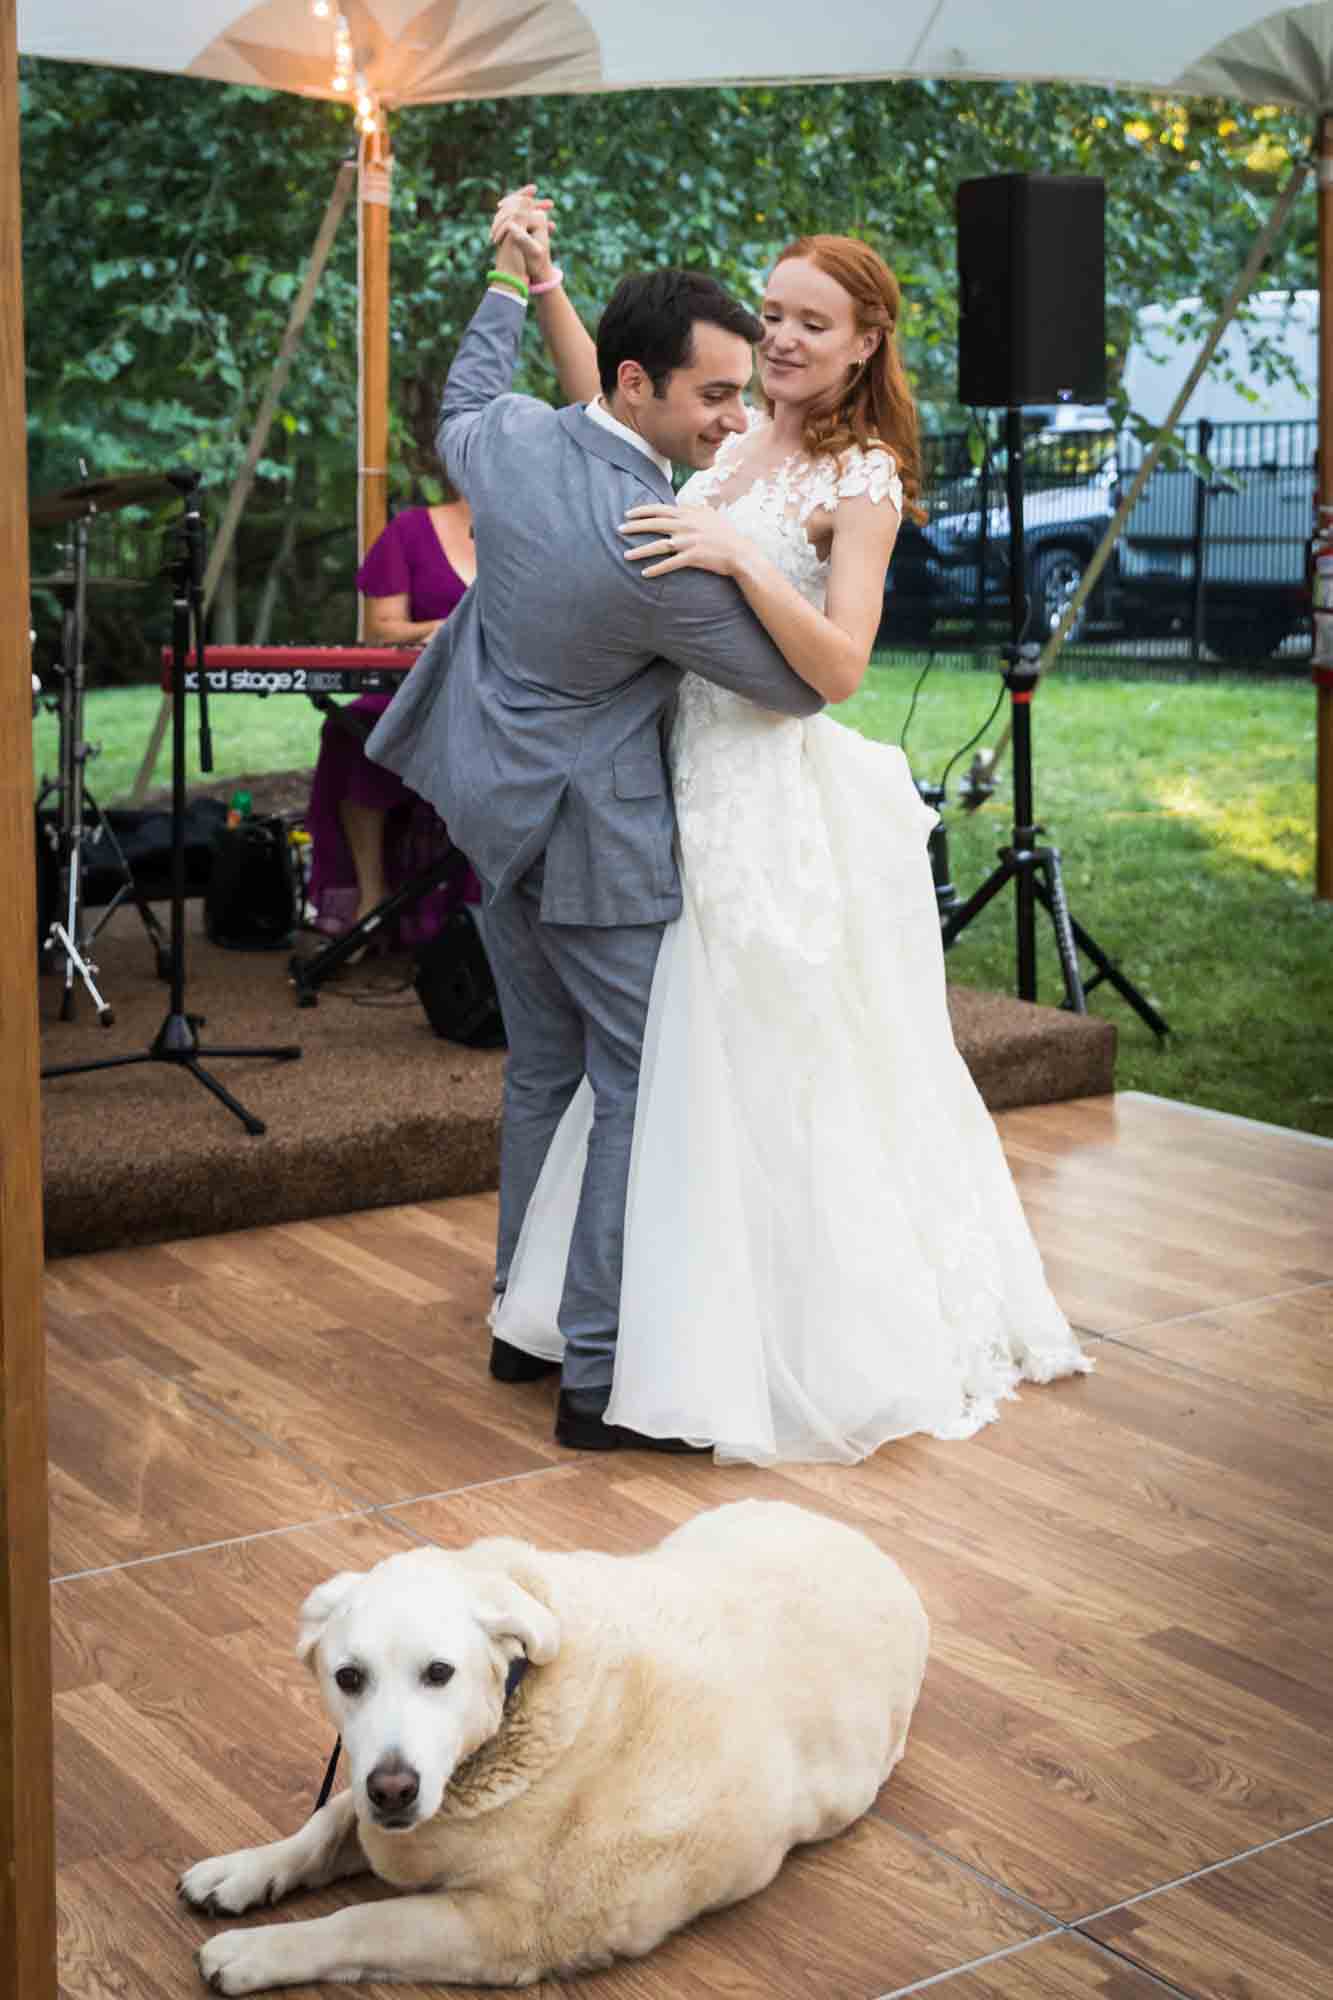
{"x":974,"y":739}
{"x":370,"y":996}
{"x":375,"y":993}
{"x":911,"y":706}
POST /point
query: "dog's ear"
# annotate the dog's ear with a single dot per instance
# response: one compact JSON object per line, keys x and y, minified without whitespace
{"x":319,"y":1607}
{"x":504,"y":1610}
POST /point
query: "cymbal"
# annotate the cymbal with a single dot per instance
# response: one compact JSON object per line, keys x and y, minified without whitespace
{"x":98,"y":496}
{"x":65,"y":580}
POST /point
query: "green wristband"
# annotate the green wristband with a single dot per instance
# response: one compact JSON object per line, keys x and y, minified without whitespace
{"x":518,"y":285}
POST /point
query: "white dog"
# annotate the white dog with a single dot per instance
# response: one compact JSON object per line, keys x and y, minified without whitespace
{"x":674,"y":1723}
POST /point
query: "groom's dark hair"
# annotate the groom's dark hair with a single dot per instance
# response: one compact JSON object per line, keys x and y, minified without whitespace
{"x":650,"y":319}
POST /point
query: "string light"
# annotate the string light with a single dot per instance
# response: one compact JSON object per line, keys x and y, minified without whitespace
{"x":367,"y":108}
{"x":342,"y":53}
{"x":345,"y":76}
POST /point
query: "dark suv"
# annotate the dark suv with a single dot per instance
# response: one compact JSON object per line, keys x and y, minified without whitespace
{"x":1232,"y":509}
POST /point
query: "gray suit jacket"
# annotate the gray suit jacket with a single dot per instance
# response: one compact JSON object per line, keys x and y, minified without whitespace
{"x":533,"y":720}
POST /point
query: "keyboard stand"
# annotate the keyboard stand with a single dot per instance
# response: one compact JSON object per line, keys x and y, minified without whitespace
{"x":309,"y":974}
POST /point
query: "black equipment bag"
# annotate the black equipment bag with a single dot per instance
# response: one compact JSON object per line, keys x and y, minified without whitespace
{"x":144,"y":836}
{"x":455,"y":984}
{"x":250,"y":903}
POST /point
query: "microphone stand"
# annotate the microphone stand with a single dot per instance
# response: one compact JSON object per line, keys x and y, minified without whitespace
{"x":192,"y":532}
{"x":1032,"y":868}
{"x":177,"y":1040}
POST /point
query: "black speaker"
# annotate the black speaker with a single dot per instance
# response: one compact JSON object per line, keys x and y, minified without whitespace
{"x":1032,"y":290}
{"x":455,"y":985}
{"x":250,"y":903}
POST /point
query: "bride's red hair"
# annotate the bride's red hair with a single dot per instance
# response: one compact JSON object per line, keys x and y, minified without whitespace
{"x":877,"y":406}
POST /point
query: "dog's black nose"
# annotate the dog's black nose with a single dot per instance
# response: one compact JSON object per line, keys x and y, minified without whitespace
{"x":392,"y":1786}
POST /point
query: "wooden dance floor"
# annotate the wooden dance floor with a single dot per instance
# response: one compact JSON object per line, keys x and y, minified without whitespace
{"x":1120,"y":1778}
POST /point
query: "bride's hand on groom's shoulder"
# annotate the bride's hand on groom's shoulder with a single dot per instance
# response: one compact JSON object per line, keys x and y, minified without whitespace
{"x":684,"y":538}
{"x":524,"y":217}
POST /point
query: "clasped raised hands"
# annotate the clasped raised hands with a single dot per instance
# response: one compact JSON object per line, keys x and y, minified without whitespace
{"x":523,"y":218}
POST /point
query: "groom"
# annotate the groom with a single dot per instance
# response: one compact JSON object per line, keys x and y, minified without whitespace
{"x":534,"y":723}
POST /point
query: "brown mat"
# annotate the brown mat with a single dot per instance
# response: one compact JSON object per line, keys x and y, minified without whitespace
{"x":377,"y":1110}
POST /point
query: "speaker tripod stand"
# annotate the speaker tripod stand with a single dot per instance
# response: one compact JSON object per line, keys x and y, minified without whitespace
{"x":177,"y":1040}
{"x":1033,"y":867}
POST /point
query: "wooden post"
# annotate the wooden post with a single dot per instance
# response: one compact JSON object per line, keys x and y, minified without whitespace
{"x":373,"y":424}
{"x":1323,"y":621}
{"x":27,"y":1839}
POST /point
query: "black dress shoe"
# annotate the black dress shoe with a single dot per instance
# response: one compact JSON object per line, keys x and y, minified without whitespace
{"x":587,"y":1430}
{"x":511,"y":1364}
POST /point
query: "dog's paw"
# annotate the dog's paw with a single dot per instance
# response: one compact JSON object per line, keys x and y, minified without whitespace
{"x":232,"y":1883}
{"x":238,"y":1962}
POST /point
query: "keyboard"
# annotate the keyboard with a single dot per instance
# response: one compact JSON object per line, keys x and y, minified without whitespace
{"x":307,"y":670}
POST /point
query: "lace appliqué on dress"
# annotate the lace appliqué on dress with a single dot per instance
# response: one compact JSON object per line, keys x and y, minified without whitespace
{"x":795,"y":490}
{"x":752,"y":837}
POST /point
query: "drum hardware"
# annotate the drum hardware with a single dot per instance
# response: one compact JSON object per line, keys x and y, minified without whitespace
{"x":80,"y":820}
{"x":177,"y":1040}
{"x":64,"y":580}
{"x":98,"y":496}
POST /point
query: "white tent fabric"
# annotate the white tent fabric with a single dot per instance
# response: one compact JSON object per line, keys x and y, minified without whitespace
{"x":1286,"y":58}
{"x":415,"y":53}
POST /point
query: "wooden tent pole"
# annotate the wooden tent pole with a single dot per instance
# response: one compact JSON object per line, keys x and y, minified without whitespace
{"x":373,"y":416}
{"x":1323,"y":649}
{"x":27,"y":1836}
{"x":263,"y":422}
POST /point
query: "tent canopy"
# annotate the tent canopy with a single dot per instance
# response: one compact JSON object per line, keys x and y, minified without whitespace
{"x":431,"y":51}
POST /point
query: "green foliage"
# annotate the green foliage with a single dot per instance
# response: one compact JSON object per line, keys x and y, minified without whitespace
{"x":1184,"y":816}
{"x":168,"y":220}
{"x":166,"y":224}
{"x":249,"y":735}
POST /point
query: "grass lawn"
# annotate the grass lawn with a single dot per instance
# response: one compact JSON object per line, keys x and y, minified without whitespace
{"x":250,"y":733}
{"x":1184,"y":813}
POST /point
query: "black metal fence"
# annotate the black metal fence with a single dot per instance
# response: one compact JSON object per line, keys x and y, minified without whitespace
{"x":1211,"y":569}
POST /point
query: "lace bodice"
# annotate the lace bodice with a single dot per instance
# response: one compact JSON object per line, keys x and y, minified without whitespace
{"x":752,"y":836}
{"x":775,"y":511}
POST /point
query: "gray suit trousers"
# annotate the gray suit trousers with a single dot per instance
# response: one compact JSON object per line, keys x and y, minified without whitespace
{"x":575,"y":1001}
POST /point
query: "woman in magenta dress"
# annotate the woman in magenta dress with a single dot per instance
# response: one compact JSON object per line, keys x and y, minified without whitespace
{"x":368,"y":831}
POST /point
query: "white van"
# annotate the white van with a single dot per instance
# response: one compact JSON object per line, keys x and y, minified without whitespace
{"x":1257,"y":426}
{"x":1235,"y":388}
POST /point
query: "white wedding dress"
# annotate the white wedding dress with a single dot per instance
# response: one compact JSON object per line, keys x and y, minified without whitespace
{"x":823,"y":1245}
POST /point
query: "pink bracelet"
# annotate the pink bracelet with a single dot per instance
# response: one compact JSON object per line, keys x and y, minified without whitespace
{"x":535,"y":291}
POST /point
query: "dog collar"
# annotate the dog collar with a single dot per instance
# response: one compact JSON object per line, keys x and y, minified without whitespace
{"x":517,"y":1668}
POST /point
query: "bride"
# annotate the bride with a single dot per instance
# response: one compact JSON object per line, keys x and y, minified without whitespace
{"x":823,"y":1246}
